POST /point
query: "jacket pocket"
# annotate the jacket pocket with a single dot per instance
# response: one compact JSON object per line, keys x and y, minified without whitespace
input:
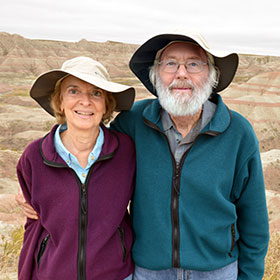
{"x":121,"y":235}
{"x":42,"y":249}
{"x":232,"y":229}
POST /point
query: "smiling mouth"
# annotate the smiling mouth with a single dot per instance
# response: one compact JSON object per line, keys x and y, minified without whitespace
{"x":179,"y":89}
{"x":84,"y":113}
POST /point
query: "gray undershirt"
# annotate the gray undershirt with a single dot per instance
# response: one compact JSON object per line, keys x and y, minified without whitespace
{"x":178,"y":144}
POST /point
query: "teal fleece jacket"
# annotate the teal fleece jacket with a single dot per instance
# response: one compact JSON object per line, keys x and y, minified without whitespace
{"x":208,"y":211}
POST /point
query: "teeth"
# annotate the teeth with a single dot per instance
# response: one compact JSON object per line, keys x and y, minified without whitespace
{"x":84,"y":113}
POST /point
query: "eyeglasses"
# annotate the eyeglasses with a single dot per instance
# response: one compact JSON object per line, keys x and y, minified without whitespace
{"x":192,"y":65}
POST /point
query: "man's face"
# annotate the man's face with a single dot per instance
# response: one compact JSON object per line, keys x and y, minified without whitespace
{"x":182,"y":53}
{"x":179,"y":92}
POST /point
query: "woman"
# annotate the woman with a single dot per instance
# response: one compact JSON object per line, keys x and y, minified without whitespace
{"x":79,"y":179}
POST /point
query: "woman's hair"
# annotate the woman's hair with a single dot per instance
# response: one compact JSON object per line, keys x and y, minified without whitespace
{"x":56,"y":99}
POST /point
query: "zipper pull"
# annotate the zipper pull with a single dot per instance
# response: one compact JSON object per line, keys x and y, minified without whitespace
{"x":176,"y":180}
{"x":84,"y":200}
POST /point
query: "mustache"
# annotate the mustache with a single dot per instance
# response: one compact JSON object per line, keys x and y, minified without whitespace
{"x":181,"y":84}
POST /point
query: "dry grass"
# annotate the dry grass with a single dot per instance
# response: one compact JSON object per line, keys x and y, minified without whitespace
{"x":272,"y":261}
{"x":10,"y":246}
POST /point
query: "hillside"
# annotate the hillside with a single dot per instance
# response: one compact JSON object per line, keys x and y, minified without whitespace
{"x":255,"y":93}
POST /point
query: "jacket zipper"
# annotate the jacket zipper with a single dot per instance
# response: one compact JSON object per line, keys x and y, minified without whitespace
{"x":121,"y":234}
{"x":232,"y":229}
{"x":175,"y":218}
{"x":175,"y":193}
{"x":42,"y":249}
{"x":81,"y":260}
{"x":82,"y":234}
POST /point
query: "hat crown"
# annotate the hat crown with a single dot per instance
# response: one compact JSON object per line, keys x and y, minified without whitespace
{"x":149,"y":52}
{"x":85,"y":65}
{"x":194,"y":35}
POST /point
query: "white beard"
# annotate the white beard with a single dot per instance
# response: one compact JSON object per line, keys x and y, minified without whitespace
{"x":178,"y":104}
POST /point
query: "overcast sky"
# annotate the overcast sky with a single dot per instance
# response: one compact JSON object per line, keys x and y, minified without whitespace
{"x":244,"y":26}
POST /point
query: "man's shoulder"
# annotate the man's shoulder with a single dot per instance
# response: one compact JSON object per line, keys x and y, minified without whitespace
{"x":240,"y":120}
{"x":243,"y":129}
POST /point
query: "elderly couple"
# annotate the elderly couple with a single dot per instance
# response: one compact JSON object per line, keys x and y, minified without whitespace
{"x":189,"y":164}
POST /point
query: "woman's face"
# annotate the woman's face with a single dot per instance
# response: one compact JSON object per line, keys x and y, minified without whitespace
{"x":82,"y":103}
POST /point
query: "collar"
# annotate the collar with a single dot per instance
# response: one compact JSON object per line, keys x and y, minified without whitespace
{"x":218,"y":124}
{"x":51,"y":157}
{"x":208,"y":112}
{"x":69,"y":158}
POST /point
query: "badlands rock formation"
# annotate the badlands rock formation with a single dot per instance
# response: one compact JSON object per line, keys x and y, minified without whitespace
{"x":255,"y":93}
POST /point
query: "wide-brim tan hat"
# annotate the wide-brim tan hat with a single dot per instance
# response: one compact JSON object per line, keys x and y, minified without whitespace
{"x":146,"y":54}
{"x":88,"y":70}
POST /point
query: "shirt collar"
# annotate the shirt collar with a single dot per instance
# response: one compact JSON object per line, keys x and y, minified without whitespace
{"x":67,"y":156}
{"x":208,"y":112}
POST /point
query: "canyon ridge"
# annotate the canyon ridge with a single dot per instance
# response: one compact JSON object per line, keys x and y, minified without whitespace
{"x":255,"y":93}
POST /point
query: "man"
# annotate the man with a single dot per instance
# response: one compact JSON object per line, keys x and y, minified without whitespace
{"x":199,"y":208}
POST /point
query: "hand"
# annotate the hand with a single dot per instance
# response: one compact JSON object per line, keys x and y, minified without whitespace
{"x":28,"y":211}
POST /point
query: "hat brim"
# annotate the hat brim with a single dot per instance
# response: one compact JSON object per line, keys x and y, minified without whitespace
{"x":44,"y":86}
{"x":144,"y":57}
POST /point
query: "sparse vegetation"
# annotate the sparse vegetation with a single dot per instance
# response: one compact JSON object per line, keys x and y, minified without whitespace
{"x":272,"y":261}
{"x":10,"y":246}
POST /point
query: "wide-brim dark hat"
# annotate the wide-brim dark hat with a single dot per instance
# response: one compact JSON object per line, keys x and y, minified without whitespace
{"x":88,"y":70}
{"x":145,"y":55}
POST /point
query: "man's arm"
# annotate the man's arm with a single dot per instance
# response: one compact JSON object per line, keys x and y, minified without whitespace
{"x":121,"y":123}
{"x":23,"y":200}
{"x":28,"y":211}
{"x":252,"y":223}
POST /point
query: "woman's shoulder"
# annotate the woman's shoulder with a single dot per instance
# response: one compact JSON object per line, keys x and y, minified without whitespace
{"x":33,"y":148}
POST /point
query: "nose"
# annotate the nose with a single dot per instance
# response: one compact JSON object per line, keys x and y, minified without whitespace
{"x":85,"y":99}
{"x":182,"y":72}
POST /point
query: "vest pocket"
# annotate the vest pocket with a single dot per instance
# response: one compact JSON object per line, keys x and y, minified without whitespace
{"x":121,"y":235}
{"x":42,"y":249}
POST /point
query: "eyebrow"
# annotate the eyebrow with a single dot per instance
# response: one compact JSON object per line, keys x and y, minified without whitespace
{"x":76,"y":86}
{"x":173,"y":57}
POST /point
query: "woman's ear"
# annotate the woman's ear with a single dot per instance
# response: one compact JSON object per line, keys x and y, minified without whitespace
{"x":61,"y":106}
